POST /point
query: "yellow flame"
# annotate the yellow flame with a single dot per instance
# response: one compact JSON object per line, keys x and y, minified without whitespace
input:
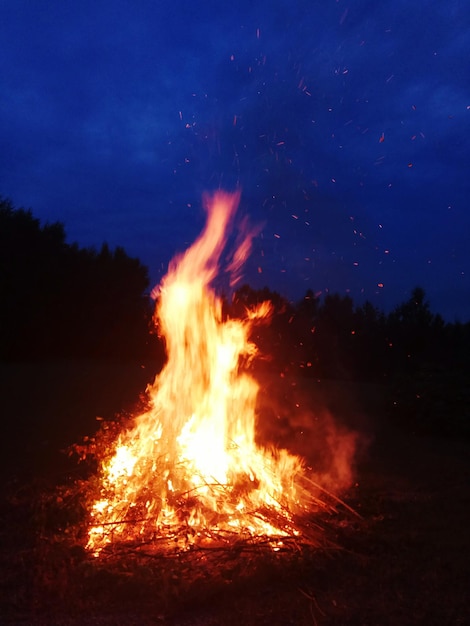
{"x":192,"y":457}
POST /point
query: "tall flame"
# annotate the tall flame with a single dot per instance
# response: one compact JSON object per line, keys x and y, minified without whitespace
{"x":191,"y":459}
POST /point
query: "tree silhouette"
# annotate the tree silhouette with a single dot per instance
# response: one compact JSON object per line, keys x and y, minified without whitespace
{"x":61,"y":300}
{"x":369,"y":343}
{"x":416,"y":334}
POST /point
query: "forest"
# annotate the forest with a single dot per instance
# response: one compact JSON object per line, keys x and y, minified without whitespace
{"x":59,"y":300}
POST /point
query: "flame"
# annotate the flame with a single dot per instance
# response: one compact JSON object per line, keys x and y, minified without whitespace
{"x":191,"y":461}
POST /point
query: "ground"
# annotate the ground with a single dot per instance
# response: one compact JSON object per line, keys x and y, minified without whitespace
{"x":403,"y":561}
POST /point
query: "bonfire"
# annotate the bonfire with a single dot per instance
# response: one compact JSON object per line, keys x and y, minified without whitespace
{"x":188,"y":472}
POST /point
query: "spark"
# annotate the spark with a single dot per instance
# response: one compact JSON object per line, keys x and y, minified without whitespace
{"x":343,"y":16}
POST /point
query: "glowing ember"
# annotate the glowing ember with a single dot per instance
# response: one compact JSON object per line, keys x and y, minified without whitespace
{"x":191,"y":462}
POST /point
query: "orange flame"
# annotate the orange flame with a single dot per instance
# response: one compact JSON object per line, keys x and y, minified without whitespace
{"x":191,"y":460}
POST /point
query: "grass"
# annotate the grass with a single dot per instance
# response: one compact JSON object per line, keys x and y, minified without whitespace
{"x":404,"y":562}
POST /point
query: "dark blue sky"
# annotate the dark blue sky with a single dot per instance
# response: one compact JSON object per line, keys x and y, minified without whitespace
{"x":345,"y":122}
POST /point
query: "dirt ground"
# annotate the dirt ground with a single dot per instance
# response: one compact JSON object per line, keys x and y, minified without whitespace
{"x":403,"y":561}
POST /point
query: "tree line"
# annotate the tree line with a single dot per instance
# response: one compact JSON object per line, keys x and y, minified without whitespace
{"x":58,"y":299}
{"x":61,"y":300}
{"x":330,"y":337}
{"x":421,"y":363}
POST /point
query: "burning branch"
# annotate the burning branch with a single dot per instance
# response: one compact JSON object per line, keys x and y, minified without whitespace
{"x":188,"y":472}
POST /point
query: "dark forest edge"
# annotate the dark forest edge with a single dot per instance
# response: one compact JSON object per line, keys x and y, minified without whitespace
{"x":62,"y":301}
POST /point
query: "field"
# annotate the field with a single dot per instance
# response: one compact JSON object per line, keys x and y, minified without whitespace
{"x":403,"y":561}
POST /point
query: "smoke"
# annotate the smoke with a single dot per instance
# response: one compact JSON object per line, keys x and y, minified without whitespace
{"x":296,"y":414}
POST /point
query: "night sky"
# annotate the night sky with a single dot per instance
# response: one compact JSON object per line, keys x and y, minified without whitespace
{"x":346,"y":124}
